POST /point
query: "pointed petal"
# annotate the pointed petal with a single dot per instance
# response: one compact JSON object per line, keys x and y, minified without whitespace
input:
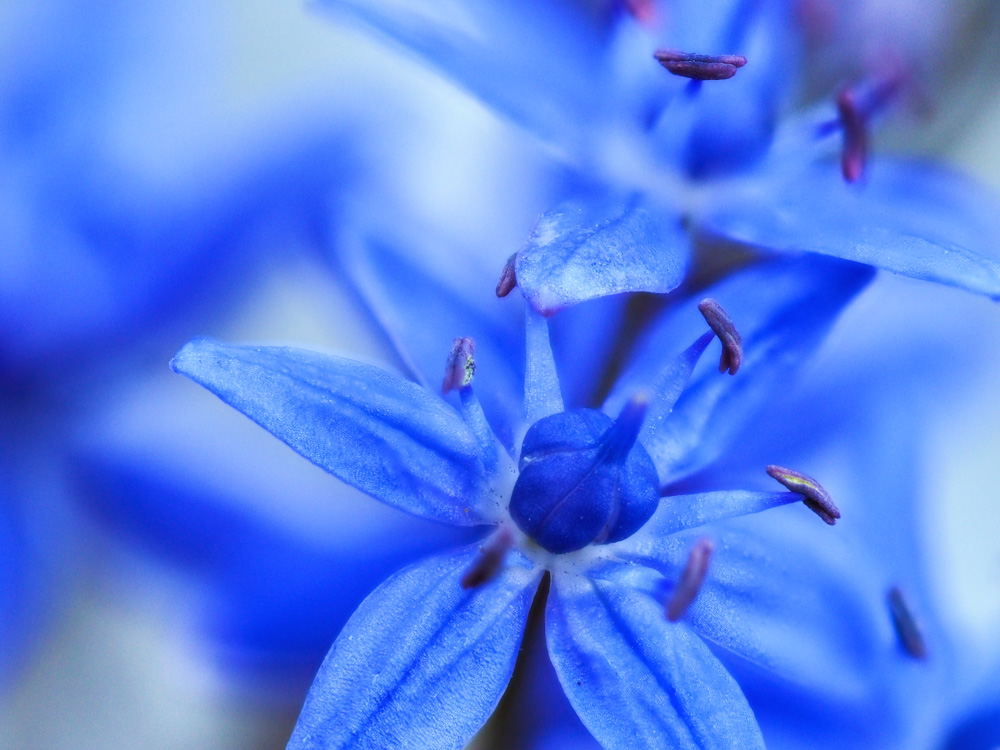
{"x":663,"y":390}
{"x":637,"y":680}
{"x":780,"y":330}
{"x":423,"y":314}
{"x":679,"y":512}
{"x":912,"y":219}
{"x":422,"y":663}
{"x":388,"y":437}
{"x":600,"y":244}
{"x":769,"y":597}
{"x":535,"y":63}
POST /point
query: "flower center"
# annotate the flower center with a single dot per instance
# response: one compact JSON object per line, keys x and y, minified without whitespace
{"x":584,"y":479}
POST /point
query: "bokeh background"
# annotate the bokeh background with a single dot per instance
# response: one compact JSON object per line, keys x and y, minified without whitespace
{"x":180,"y":169}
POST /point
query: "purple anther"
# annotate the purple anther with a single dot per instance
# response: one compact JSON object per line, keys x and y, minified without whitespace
{"x":853,"y":120}
{"x":490,"y":560}
{"x":461,"y":366}
{"x":621,"y":435}
{"x":508,"y":279}
{"x":814,"y":496}
{"x":723,"y":327}
{"x":907,"y":629}
{"x":700,"y":67}
{"x":856,"y":105}
{"x":691,"y":579}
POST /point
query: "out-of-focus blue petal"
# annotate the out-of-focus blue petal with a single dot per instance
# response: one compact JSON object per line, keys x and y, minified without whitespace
{"x":422,"y":663}
{"x":388,"y":437}
{"x":14,"y":594}
{"x":914,"y":219}
{"x":273,"y":599}
{"x":94,"y":252}
{"x":978,"y":728}
{"x":600,"y":244}
{"x":423,"y":314}
{"x":783,"y":311}
{"x":536,"y":63}
{"x":636,"y":679}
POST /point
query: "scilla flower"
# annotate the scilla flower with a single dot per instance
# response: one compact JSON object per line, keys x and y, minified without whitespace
{"x":638,"y":585}
{"x":669,"y":119}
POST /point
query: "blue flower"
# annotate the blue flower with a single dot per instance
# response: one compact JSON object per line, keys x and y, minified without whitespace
{"x":114,"y":232}
{"x":669,"y":171}
{"x":426,"y":657}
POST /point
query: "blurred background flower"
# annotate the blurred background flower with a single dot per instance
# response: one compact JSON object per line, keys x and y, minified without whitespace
{"x":173,"y":170}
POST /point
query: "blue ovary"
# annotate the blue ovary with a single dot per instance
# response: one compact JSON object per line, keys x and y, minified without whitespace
{"x":584,"y":479}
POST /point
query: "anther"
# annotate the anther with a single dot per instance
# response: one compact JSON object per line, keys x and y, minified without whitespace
{"x":461,"y":366}
{"x":723,"y":327}
{"x":855,"y":154}
{"x":907,"y":628}
{"x":700,"y":67}
{"x":490,"y":560}
{"x":855,"y":107}
{"x":692,"y":578}
{"x":814,"y":496}
{"x":621,"y":435}
{"x":508,"y":279}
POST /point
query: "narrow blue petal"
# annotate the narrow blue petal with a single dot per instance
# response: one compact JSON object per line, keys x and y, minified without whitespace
{"x":535,"y":63}
{"x":679,"y":512}
{"x":637,"y":680}
{"x":783,"y":312}
{"x":600,"y":244}
{"x":909,"y":218}
{"x":388,"y":437}
{"x":422,"y":663}
{"x":423,"y":314}
{"x":663,"y":390}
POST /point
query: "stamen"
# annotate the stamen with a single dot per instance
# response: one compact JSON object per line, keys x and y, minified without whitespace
{"x":508,"y":279}
{"x":621,"y":436}
{"x":692,"y":578}
{"x":490,"y":561}
{"x":855,"y":107}
{"x":461,"y":366}
{"x":814,"y":496}
{"x":542,"y":395}
{"x":907,"y":628}
{"x":720,"y":322}
{"x":855,"y":154}
{"x":700,"y":67}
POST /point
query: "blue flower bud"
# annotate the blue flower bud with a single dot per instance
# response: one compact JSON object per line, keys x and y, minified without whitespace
{"x":584,"y":479}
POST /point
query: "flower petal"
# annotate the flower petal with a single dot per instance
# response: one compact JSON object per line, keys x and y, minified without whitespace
{"x":770,"y":597}
{"x":422,"y":663}
{"x":388,"y":437}
{"x":637,"y":680}
{"x":679,"y":512}
{"x":780,"y":330}
{"x":536,"y":63}
{"x":600,"y":244}
{"x":909,"y":218}
{"x":423,"y":314}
